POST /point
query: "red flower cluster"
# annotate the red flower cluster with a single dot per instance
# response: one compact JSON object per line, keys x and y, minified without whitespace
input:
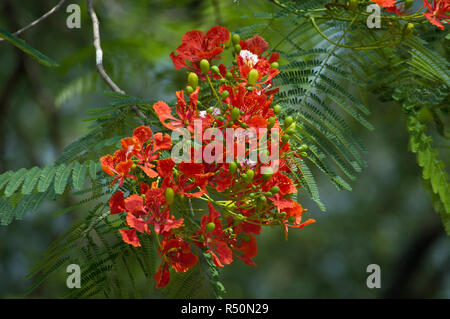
{"x":157,"y":192}
{"x":437,"y":12}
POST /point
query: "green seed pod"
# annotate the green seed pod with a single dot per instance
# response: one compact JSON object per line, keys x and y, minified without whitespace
{"x":253,"y":76}
{"x":237,"y":48}
{"x":275,"y":190}
{"x":236,"y":38}
{"x":215,"y":69}
{"x":267,"y":174}
{"x":225,"y":94}
{"x":275,"y":65}
{"x":271,"y":121}
{"x":189,"y":90}
{"x":204,"y":66}
{"x":210,"y":227}
{"x":235,"y":112}
{"x":232,"y":167}
{"x":277,"y":109}
{"x":353,"y":4}
{"x":229,"y":75}
{"x":291,"y":219}
{"x":288,"y":121}
{"x":193,"y":79}
{"x":169,"y":194}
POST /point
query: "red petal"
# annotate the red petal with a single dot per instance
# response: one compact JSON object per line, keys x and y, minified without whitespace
{"x":135,"y":204}
{"x":256,"y":45}
{"x":117,"y":203}
{"x":165,"y":167}
{"x":143,"y":133}
{"x":162,"y":277}
{"x":130,"y":237}
{"x":163,"y":142}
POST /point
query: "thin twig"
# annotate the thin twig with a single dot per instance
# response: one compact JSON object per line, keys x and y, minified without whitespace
{"x":99,"y":57}
{"x":42,"y":18}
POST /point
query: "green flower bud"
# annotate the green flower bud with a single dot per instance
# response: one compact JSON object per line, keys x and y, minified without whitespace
{"x":204,"y":66}
{"x":271,"y":121}
{"x":229,"y":75}
{"x":267,"y":174}
{"x":189,"y":90}
{"x":249,"y":88}
{"x":304,"y":154}
{"x":193,"y":79}
{"x":237,"y":48}
{"x":223,"y":81}
{"x":275,"y":190}
{"x":232,"y":167}
{"x":220,"y":118}
{"x":236,"y":38}
{"x":303,"y":147}
{"x":285,"y":138}
{"x":235,"y":112}
{"x":277,"y":109}
{"x":215,"y":69}
{"x":253,"y":76}
{"x":275,"y":65}
{"x":225,"y":94}
{"x":291,"y":219}
{"x":169,"y":194}
{"x":291,"y":129}
{"x":244,"y":125}
{"x":210,"y":227}
{"x":288,"y":121}
{"x":250,"y":174}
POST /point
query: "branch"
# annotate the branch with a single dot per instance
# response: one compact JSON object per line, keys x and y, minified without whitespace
{"x":99,"y":57}
{"x":36,"y":22}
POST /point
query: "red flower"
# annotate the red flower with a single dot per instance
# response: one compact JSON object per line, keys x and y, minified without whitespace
{"x":177,"y":253}
{"x":196,"y":46}
{"x":247,"y":244}
{"x":296,"y":213}
{"x":215,"y":240}
{"x":385,"y":3}
{"x":437,"y":12}
{"x":130,"y":237}
{"x":117,"y":165}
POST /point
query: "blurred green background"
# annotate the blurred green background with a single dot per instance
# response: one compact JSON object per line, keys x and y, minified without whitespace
{"x":387,"y":220}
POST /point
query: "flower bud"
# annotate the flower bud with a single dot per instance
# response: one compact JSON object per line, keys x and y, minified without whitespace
{"x":250,"y":174}
{"x":288,"y":121}
{"x":277,"y":109}
{"x":292,"y":219}
{"x":275,"y":190}
{"x":232,"y":167}
{"x":237,"y":48}
{"x":204,"y":66}
{"x":189,"y":90}
{"x":169,"y":194}
{"x":229,"y":75}
{"x":215,"y":69}
{"x":271,"y":121}
{"x":225,"y":94}
{"x":275,"y":65}
{"x":267,"y":173}
{"x":244,"y":125}
{"x":193,"y":79}
{"x":235,"y":112}
{"x":303,"y":147}
{"x":285,"y":138}
{"x":210,"y":227}
{"x":236,"y":38}
{"x":253,"y":76}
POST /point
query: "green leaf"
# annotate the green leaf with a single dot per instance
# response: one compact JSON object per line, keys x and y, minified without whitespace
{"x":46,"y":178}
{"x":31,"y":180}
{"x":61,"y":178}
{"x":25,"y":47}
{"x":15,"y":181}
{"x":78,"y":175}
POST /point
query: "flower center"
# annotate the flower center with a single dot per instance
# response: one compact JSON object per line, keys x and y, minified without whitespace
{"x":249,"y":58}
